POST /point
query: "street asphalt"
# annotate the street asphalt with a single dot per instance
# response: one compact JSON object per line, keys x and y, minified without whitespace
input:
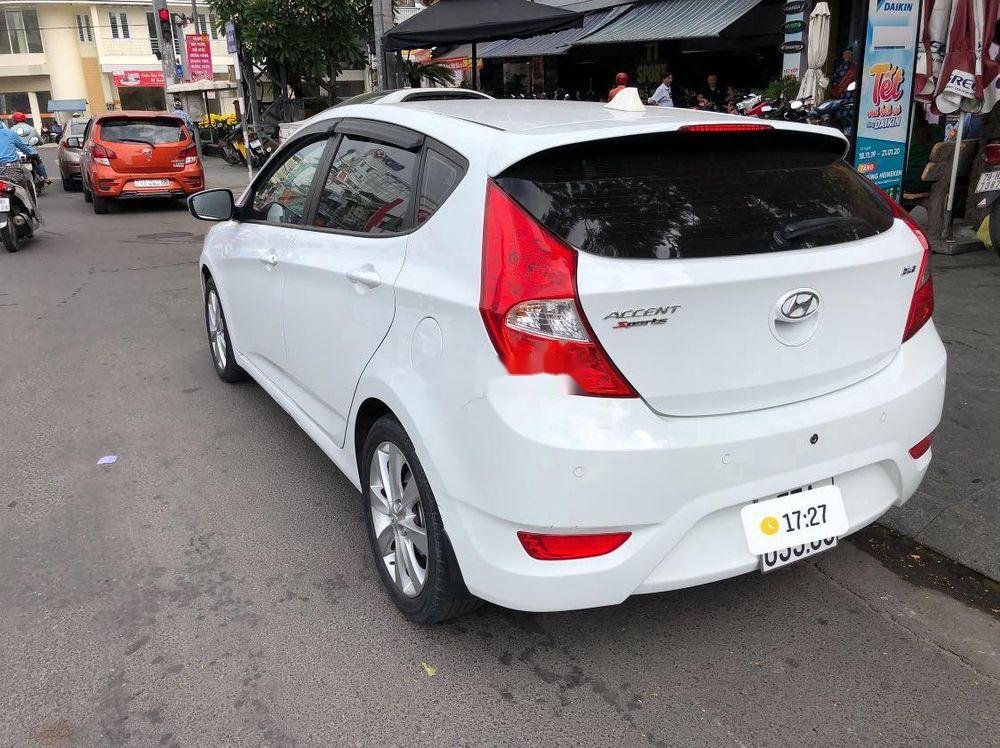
{"x":213,"y":586}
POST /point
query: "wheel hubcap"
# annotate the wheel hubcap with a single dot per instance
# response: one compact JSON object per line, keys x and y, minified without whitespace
{"x":216,"y":330}
{"x":398,"y":519}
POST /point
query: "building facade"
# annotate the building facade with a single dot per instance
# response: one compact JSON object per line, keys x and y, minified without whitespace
{"x":99,"y":52}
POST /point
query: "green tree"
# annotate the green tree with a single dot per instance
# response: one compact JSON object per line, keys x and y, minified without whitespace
{"x":306,"y":40}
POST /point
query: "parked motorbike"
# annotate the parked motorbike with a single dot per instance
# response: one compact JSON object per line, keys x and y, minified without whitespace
{"x":19,"y":216}
{"x":235,"y":151}
{"x":51,"y":132}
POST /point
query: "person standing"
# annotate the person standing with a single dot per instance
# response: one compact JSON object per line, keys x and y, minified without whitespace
{"x":714,"y":94}
{"x":178,"y":111}
{"x":621,"y":83}
{"x":663,"y":95}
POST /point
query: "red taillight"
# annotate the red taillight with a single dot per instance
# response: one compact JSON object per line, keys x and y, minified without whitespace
{"x":103,"y":154}
{"x":992,"y":152}
{"x":726,"y":127}
{"x":919,"y":449}
{"x":922,"y":303}
{"x":568,"y":547}
{"x":6,"y":187}
{"x":530,"y":306}
{"x":189,"y":154}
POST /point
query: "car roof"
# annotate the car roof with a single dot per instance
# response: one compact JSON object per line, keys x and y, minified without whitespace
{"x":133,"y":113}
{"x":500,"y":132}
{"x":528,"y":115}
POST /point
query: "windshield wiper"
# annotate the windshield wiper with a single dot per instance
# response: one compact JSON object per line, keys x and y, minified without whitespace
{"x":136,"y":140}
{"x":798,"y":229}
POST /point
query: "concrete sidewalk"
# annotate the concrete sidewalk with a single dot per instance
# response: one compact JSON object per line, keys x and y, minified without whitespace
{"x":955,"y":512}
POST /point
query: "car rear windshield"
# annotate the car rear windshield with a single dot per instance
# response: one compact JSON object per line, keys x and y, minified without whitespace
{"x":698,"y":194}
{"x":151,"y":130}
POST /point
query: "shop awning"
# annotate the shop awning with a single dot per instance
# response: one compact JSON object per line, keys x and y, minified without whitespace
{"x":672,"y":19}
{"x":458,"y":21}
{"x":66,"y":105}
{"x":556,"y":43}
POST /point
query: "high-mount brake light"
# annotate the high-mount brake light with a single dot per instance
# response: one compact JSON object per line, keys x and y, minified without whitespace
{"x":529,"y":302}
{"x":726,"y":127}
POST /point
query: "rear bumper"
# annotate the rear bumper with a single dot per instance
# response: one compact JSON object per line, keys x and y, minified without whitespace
{"x":559,"y":463}
{"x":124,"y":187}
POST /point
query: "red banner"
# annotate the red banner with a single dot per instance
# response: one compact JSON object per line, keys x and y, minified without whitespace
{"x":139,"y":79}
{"x":199,"y":49}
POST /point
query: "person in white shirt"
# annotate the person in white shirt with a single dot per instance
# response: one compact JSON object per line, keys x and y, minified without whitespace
{"x":662,"y":96}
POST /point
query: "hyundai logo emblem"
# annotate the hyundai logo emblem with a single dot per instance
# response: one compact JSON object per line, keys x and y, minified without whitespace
{"x":799,"y":305}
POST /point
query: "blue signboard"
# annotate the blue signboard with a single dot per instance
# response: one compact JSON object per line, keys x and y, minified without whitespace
{"x":886,"y":92}
{"x":231,"y":37}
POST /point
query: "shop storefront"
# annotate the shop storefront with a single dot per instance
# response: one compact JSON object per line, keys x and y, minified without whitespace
{"x":738,"y":40}
{"x":140,"y":89}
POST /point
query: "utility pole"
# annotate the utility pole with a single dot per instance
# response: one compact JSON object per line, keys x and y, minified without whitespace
{"x":165,"y":42}
{"x":380,"y":82}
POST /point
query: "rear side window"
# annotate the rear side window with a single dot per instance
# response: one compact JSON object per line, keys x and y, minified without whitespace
{"x":440,"y":177}
{"x":369,"y":188}
{"x":150,"y":130}
{"x":688,"y":195}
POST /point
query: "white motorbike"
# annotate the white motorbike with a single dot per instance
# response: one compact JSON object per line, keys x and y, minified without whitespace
{"x":19,"y":216}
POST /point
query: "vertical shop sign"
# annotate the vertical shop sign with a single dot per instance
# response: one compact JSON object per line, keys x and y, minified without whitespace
{"x":199,"y":52}
{"x":794,"y":46}
{"x":886,"y":92}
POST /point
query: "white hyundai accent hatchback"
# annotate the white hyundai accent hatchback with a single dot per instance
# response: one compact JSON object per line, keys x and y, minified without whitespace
{"x":570,"y":354}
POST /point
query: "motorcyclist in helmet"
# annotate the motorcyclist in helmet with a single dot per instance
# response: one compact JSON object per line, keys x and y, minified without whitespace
{"x":26,"y":132}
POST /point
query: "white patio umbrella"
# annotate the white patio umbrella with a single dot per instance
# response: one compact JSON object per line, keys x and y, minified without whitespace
{"x":935,"y":20}
{"x":814,"y":83}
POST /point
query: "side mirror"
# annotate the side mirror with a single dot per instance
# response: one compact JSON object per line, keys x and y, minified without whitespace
{"x":212,"y":205}
{"x":852,"y":85}
{"x":74,"y":142}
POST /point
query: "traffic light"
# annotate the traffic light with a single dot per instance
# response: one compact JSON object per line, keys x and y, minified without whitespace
{"x":164,"y":29}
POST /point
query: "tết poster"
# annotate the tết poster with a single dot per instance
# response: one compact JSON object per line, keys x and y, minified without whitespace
{"x":886,"y":92}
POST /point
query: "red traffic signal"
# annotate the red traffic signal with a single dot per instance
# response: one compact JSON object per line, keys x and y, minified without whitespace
{"x":164,"y":14}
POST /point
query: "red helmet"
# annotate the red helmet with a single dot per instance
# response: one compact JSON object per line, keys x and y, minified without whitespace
{"x":621,"y":79}
{"x":18,"y":117}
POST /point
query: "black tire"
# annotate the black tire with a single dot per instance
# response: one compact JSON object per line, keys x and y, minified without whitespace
{"x":88,"y":196}
{"x":229,"y":371}
{"x":8,"y":234}
{"x":444,"y":594}
{"x":67,"y":185}
{"x":100,"y":204}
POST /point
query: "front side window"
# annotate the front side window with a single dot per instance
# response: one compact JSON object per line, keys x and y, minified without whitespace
{"x":282,"y":198}
{"x":369,"y":188}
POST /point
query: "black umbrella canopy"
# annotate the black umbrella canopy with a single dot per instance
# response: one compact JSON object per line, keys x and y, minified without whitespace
{"x":460,"y":21}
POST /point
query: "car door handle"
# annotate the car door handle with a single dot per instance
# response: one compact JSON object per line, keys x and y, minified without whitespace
{"x":365,"y":276}
{"x":270,"y":260}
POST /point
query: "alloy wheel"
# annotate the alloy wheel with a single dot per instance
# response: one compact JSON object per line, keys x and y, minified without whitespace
{"x":398,"y":519}
{"x":216,"y":329}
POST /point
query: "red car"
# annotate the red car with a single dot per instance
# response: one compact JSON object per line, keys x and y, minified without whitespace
{"x":134,"y":155}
